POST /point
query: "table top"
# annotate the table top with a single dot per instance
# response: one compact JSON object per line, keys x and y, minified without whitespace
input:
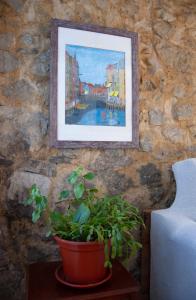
{"x":42,"y":284}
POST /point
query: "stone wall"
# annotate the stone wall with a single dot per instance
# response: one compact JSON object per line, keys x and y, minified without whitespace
{"x":167,"y":63}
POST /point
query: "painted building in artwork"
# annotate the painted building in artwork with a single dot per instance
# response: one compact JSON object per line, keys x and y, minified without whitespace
{"x":115,"y":83}
{"x":94,"y":90}
{"x":99,"y":90}
{"x":72,"y":81}
{"x":86,"y":88}
{"x":121,"y":76}
{"x":90,"y":86}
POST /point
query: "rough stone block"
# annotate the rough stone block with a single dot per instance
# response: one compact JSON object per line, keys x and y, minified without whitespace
{"x":4,"y":260}
{"x":6,"y":40}
{"x":4,"y":233}
{"x":180,"y":91}
{"x":175,"y":134}
{"x":27,"y":39}
{"x":193,"y":131}
{"x":16,"y":4}
{"x":5,"y":162}
{"x":175,"y":57}
{"x":8,"y":62}
{"x":149,"y":86}
{"x":43,"y":91}
{"x":20,"y":89}
{"x":41,"y":64}
{"x":21,"y":130}
{"x":156,"y":117}
{"x":146,"y":143}
{"x":162,"y":28}
{"x":39,"y":167}
{"x":109,"y":179}
{"x":166,"y":15}
{"x":111,"y":159}
{"x":157,"y":194}
{"x":61,"y":159}
{"x":21,"y":181}
{"x":182,"y":112}
{"x":150,"y":175}
{"x":30,"y":44}
{"x":115,"y":182}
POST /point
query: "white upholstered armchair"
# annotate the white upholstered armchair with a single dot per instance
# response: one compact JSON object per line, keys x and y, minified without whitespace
{"x":173,"y":240}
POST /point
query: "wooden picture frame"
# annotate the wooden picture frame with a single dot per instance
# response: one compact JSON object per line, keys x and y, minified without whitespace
{"x":93,"y":86}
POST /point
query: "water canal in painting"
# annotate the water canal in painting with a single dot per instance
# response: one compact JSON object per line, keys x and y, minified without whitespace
{"x":99,"y":117}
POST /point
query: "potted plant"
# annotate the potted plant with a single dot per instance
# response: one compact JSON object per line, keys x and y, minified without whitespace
{"x":91,"y":231}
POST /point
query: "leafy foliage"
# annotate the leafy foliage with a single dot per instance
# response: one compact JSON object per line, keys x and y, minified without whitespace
{"x":109,"y":219}
{"x":39,"y":201}
{"x":63,"y":194}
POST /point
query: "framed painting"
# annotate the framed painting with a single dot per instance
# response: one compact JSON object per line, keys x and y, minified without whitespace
{"x":93,"y":86}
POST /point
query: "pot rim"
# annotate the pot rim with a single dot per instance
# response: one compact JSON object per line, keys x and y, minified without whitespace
{"x":57,"y":238}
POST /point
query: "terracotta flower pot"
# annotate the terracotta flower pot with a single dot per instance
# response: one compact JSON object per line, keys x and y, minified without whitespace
{"x":83,"y":262}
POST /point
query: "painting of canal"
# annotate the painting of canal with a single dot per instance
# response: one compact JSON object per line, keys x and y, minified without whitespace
{"x":94,"y":86}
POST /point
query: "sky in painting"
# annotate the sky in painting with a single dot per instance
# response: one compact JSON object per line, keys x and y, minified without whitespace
{"x":93,"y":62}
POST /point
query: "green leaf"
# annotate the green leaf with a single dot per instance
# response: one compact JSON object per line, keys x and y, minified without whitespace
{"x":118,"y":235}
{"x":89,"y":176}
{"x":40,"y":203}
{"x":73,"y":177}
{"x":34,"y":191}
{"x":79,"y":170}
{"x":63,"y":194}
{"x":82,"y":214}
{"x":35,"y":216}
{"x":38,"y":199}
{"x":90,"y":234}
{"x":56,"y":216}
{"x":108,"y":264}
{"x":79,"y":190}
{"x":106,"y":249}
{"x":114,"y":247}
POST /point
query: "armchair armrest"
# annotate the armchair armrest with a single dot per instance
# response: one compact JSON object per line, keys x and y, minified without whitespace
{"x":171,"y":222}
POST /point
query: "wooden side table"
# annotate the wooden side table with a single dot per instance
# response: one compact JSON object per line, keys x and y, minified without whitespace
{"x":42,"y":285}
